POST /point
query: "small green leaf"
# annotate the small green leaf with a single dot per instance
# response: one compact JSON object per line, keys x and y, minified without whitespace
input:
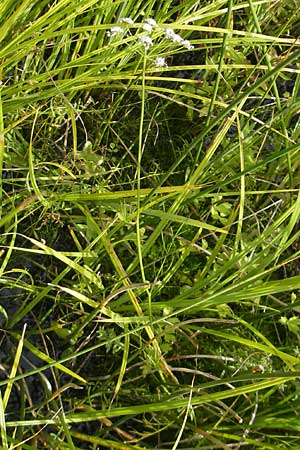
{"x":293,"y":323}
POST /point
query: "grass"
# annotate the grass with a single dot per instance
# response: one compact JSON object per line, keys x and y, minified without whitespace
{"x":149,"y":225}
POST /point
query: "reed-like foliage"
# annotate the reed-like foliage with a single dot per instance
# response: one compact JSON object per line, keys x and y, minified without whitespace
{"x":149,"y":241}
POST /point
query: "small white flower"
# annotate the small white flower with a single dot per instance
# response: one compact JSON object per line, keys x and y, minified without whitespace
{"x":114,"y":31}
{"x":177,"y":39}
{"x":146,"y":41}
{"x":187,"y":44}
{"x":170,"y":34}
{"x":160,"y":62}
{"x":151,"y":22}
{"x":147,"y":27}
{"x":127,"y":20}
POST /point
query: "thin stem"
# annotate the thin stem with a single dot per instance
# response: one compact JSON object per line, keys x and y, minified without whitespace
{"x":139,"y":162}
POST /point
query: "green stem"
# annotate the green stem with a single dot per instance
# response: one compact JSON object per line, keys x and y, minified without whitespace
{"x":139,"y":163}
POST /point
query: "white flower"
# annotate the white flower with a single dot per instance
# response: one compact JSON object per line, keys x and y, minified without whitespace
{"x":127,"y":20}
{"x":114,"y":31}
{"x":170,"y":34}
{"x":146,"y":41}
{"x":160,"y":62}
{"x":177,"y":39}
{"x":147,"y":27}
{"x":151,"y":22}
{"x":187,"y":44}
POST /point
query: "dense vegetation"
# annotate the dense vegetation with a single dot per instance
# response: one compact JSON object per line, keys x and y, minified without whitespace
{"x":149,"y":241}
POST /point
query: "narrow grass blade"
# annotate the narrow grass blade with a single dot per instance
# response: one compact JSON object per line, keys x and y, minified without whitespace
{"x":49,"y":360}
{"x":1,"y":142}
{"x":124,"y":362}
{"x":3,"y":425}
{"x":181,"y":219}
{"x":164,"y":405}
{"x":14,"y":368}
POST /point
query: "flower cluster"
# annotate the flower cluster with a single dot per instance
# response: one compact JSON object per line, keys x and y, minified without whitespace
{"x":114,"y":31}
{"x":149,"y":25}
{"x":170,"y":34}
{"x":145,"y":40}
{"x":160,"y":62}
{"x":127,"y":20}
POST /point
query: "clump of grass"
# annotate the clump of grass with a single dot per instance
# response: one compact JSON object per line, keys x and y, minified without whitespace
{"x":149,"y":224}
